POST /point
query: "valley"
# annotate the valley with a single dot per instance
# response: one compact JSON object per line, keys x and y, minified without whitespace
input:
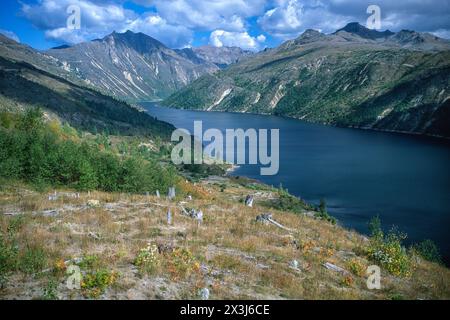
{"x":85,"y":167}
{"x":351,"y":78}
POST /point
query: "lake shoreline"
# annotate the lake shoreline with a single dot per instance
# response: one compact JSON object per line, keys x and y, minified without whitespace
{"x":403,"y":178}
{"x":418,"y":134}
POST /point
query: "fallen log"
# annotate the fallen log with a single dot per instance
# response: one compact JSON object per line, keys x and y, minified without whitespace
{"x":267,"y":218}
{"x":334,"y":268}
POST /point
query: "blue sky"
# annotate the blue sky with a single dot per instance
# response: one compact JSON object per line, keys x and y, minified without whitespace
{"x":250,"y":24}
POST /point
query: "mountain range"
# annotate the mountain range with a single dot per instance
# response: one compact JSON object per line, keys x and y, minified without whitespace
{"x":137,"y":67}
{"x":88,"y":85}
{"x":355,"y":77}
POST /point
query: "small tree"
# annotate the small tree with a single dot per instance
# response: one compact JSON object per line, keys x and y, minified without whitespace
{"x":32,"y":120}
{"x":428,"y":250}
{"x":323,"y":206}
{"x":323,"y":212}
{"x":375,"y":228}
{"x":88,"y":178}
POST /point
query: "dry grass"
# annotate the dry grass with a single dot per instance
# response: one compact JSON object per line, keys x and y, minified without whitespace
{"x":235,"y":256}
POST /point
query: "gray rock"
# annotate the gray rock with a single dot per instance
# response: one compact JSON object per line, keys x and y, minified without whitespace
{"x":294,"y":265}
{"x":165,"y":248}
{"x":93,"y":203}
{"x":94,"y":235}
{"x":262,"y":266}
{"x":204,"y":294}
{"x":199,"y":217}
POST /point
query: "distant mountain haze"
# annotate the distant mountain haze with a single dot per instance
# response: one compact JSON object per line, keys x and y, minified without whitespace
{"x":220,"y":56}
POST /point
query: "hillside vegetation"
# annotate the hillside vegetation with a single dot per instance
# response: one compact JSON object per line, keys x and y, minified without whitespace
{"x":79,"y":179}
{"x":23,"y":86}
{"x":48,"y":154}
{"x":126,"y":250}
{"x":340,"y":79}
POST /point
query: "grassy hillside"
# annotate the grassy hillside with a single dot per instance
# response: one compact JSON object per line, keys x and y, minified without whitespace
{"x":121,"y":241}
{"x":126,"y":250}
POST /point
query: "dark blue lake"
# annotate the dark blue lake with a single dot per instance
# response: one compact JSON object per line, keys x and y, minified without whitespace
{"x":404,"y":179}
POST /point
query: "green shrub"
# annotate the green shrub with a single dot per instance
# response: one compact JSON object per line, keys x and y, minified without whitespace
{"x":396,"y":296}
{"x":428,"y":250}
{"x":50,"y":290}
{"x":181,"y":263}
{"x":9,"y":250}
{"x":388,"y":251}
{"x":32,"y":260}
{"x":357,"y":267}
{"x":96,"y":277}
{"x":323,"y":214}
{"x":95,"y":283}
{"x":287,"y":202}
{"x":375,"y":228}
{"x":8,"y":256}
{"x":148,"y":259}
{"x":29,"y":259}
{"x":90,"y":262}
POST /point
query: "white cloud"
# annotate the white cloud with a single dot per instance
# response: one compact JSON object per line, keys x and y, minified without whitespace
{"x":289,"y":18}
{"x":99,"y":19}
{"x":10,"y":35}
{"x":66,"y":35}
{"x":445,"y":34}
{"x":221,"y":38}
{"x":210,"y":14}
{"x":175,"y":36}
{"x":51,"y":14}
{"x":286,"y":18}
{"x":261,"y":38}
{"x":174,"y":22}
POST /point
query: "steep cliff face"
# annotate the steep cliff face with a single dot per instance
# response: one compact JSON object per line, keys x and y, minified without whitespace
{"x":354,"y":77}
{"x":131,"y":66}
